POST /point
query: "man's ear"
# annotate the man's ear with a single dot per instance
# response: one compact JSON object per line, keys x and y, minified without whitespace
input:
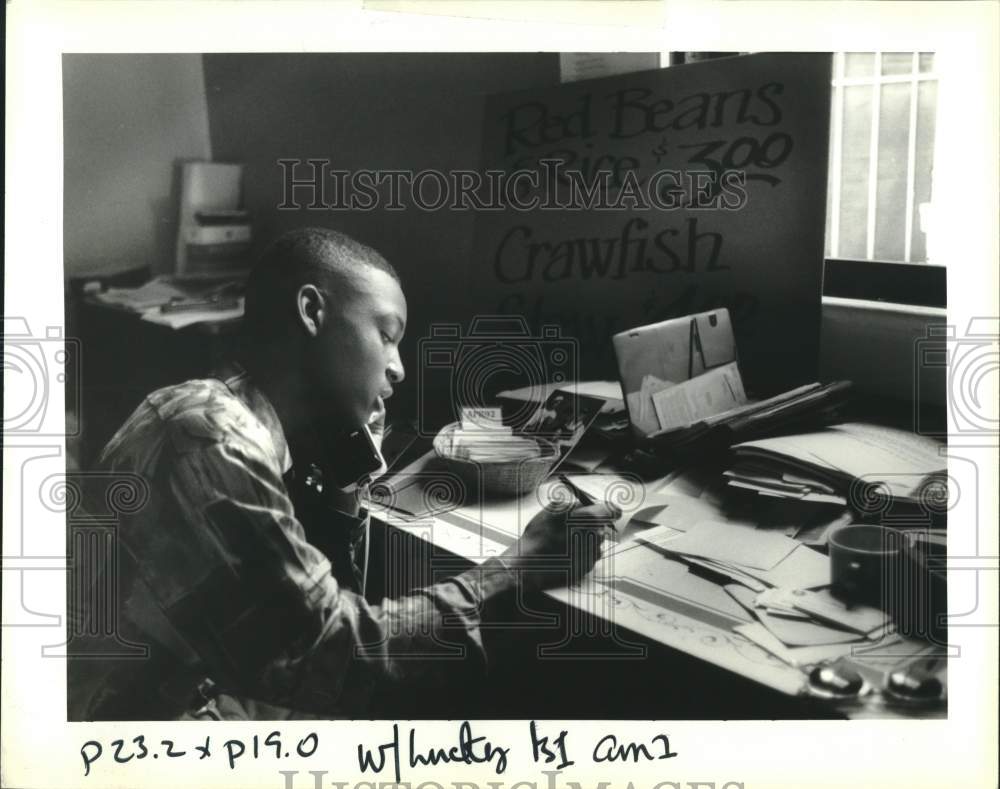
{"x":310,"y":304}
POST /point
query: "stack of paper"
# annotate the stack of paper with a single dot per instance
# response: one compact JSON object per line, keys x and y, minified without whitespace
{"x":178,"y":320}
{"x":712,"y":411}
{"x":706,"y":396}
{"x":823,"y":466}
{"x":769,"y":480}
{"x":157,"y":291}
{"x":641,"y":409}
{"x":493,"y":449}
{"x":196,"y":299}
{"x":482,"y":437}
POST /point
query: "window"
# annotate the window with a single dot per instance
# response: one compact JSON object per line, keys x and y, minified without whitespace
{"x":881,"y":156}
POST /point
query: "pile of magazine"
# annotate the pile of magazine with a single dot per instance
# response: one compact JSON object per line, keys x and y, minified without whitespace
{"x":865,"y":466}
{"x":693,"y":422}
{"x":683,"y":389}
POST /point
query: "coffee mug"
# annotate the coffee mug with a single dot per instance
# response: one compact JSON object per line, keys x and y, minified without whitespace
{"x":864,"y":562}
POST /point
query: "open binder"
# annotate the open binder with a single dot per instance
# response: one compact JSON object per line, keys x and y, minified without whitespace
{"x":683,"y":387}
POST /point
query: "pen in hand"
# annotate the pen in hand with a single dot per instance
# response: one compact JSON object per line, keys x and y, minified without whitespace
{"x":584,"y":498}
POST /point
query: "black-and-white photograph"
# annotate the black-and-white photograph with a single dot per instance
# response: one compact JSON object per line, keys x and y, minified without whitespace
{"x":501,"y":395}
{"x":275,"y":262}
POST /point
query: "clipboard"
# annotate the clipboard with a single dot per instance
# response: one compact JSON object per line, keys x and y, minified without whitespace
{"x":670,"y":352}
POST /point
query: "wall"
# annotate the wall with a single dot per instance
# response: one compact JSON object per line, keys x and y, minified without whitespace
{"x":600,"y":272}
{"x":127,"y":119}
{"x":368,"y":111}
{"x":883,"y":349}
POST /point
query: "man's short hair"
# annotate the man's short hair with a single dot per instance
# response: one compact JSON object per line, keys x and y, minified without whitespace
{"x":326,"y":258}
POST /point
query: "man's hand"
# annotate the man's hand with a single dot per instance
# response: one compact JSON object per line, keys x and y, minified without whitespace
{"x":559,"y":548}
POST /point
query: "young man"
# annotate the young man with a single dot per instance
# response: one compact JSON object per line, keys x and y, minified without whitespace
{"x":246,"y":610}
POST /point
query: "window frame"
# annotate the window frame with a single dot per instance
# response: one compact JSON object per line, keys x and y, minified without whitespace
{"x":909,"y":283}
{"x":916,"y":284}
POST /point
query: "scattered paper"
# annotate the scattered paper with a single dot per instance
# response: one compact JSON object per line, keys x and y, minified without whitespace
{"x":726,"y":571}
{"x":823,"y":605}
{"x":774,"y":600}
{"x":787,"y":613}
{"x":658,"y":536}
{"x":799,"y":657}
{"x":803,"y":632}
{"x":729,"y":544}
{"x":742,"y":595}
{"x":815,"y":534}
{"x":586,"y":457}
{"x":178,"y":320}
{"x":605,"y":487}
{"x":646,"y":567}
{"x":803,"y":568}
{"x":676,"y":512}
{"x":157,"y":291}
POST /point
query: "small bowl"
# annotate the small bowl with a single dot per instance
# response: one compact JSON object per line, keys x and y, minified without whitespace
{"x":502,"y":477}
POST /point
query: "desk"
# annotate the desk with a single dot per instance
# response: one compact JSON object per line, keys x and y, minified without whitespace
{"x":663,"y":652}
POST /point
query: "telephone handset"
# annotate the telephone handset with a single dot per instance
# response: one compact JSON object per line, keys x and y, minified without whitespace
{"x":324,"y":493}
{"x":355,"y":461}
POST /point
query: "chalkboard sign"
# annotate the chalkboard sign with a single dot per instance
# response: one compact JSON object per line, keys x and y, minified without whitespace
{"x":636,"y":198}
